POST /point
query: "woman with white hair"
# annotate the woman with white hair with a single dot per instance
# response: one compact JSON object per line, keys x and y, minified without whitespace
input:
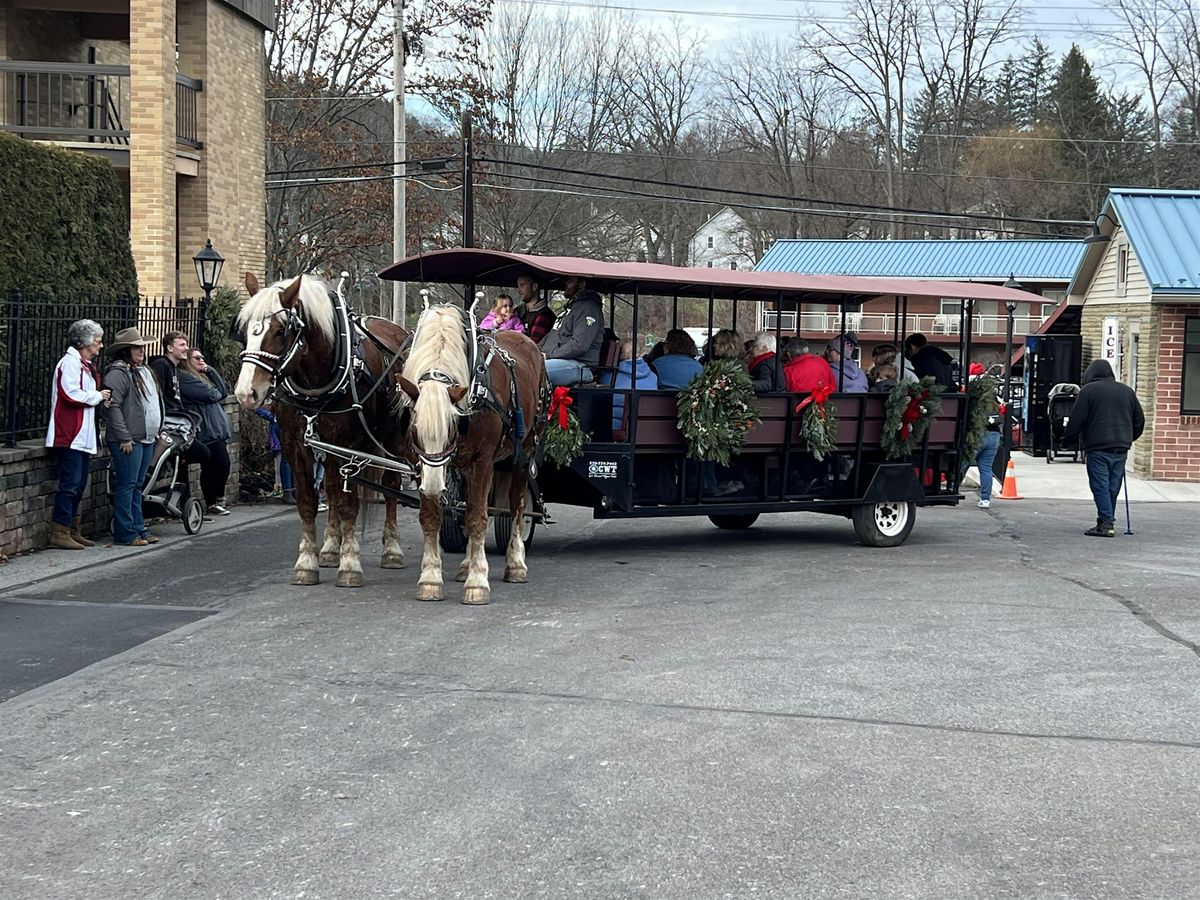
{"x":74,"y":396}
{"x":763,"y":363}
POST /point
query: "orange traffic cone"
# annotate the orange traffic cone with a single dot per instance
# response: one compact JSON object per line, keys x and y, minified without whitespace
{"x":1009,"y":491}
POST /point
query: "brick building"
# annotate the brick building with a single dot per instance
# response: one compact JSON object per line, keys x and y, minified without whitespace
{"x":1139,"y":289}
{"x":1043,"y":268}
{"x":172,"y":93}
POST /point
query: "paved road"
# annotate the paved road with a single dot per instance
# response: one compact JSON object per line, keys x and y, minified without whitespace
{"x":1000,"y":708}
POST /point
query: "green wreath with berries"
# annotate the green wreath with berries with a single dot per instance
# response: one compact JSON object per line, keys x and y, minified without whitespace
{"x":910,"y":410}
{"x":716,"y":412}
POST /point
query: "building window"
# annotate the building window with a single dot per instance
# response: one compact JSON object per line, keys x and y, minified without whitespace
{"x":1190,"y":380}
{"x":733,"y":265}
{"x":1122,"y":270}
{"x":710,"y":263}
{"x":710,"y":243}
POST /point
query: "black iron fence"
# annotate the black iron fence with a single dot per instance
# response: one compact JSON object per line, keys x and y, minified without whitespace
{"x":33,"y":337}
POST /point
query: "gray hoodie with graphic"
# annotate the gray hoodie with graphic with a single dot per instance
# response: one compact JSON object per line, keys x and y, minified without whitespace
{"x":579,"y":332}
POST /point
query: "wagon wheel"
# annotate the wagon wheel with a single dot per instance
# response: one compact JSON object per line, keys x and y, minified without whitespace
{"x":885,"y":524}
{"x":453,"y":533}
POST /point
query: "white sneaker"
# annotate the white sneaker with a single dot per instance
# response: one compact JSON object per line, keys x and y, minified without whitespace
{"x":985,"y":504}
{"x":218,"y":510}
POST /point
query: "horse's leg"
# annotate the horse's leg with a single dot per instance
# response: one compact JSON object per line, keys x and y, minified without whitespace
{"x":331,"y":542}
{"x":306,"y":570}
{"x":479,"y":485}
{"x":345,"y":503}
{"x":393,"y":553}
{"x":515,"y":569}
{"x":430,"y":583}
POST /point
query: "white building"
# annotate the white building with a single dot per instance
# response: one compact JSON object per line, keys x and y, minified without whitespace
{"x":723,"y":242}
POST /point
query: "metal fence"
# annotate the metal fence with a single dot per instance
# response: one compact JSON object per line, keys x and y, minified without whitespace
{"x":33,"y":331}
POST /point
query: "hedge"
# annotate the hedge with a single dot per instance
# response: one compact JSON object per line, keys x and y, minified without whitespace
{"x":65,"y":222}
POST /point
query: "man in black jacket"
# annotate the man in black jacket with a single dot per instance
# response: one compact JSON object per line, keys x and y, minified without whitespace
{"x":574,"y":342}
{"x":927,"y":359}
{"x":1105,"y":421}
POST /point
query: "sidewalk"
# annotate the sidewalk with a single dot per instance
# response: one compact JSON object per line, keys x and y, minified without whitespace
{"x":1064,"y":480}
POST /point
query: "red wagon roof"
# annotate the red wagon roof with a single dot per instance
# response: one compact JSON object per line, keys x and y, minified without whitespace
{"x":495,"y":268}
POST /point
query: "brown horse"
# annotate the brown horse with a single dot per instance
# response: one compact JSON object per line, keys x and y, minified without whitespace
{"x":471,"y":424}
{"x":300,"y":343}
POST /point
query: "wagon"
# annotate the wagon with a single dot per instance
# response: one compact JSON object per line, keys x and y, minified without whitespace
{"x":638,"y":466}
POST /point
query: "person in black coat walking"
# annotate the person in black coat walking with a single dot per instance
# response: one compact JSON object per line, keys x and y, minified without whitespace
{"x":1105,"y":421}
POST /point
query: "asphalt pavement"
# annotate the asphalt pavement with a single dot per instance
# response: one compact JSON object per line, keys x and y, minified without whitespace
{"x":1000,"y":708}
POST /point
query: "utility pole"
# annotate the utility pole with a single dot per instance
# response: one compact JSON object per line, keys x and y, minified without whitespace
{"x":399,"y":155}
{"x":468,"y":175}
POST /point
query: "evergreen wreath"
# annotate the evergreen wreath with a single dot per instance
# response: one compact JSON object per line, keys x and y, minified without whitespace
{"x":982,"y":404}
{"x":818,"y":422}
{"x":716,"y":411}
{"x":910,"y":409}
{"x":564,"y":437}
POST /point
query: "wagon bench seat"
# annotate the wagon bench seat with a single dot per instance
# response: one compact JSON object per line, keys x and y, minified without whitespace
{"x":657,"y":432}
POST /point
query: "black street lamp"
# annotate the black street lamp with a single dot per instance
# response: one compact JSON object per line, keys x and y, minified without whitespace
{"x":1097,"y":236}
{"x":208,"y":269}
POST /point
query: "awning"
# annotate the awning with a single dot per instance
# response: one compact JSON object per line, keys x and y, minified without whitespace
{"x":493,"y":268}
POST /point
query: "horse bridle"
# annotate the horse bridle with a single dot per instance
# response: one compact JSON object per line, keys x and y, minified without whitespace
{"x":275,"y":363}
{"x":437,"y":460}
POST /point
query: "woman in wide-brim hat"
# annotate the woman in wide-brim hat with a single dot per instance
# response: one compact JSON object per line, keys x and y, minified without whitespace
{"x":134,"y":420}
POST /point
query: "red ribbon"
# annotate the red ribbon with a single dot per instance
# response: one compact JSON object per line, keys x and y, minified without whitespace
{"x":559,"y":403}
{"x":820,"y":394}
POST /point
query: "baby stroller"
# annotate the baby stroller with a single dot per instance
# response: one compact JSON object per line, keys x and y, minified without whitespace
{"x":173,"y":498}
{"x":1058,"y":407}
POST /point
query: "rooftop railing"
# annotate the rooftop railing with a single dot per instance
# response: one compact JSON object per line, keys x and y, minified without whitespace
{"x":884,"y":324}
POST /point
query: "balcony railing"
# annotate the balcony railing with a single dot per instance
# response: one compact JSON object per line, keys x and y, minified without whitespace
{"x":82,"y":102}
{"x":884,"y":325}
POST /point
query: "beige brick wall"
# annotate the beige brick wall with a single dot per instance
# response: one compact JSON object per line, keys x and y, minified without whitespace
{"x":152,"y":143}
{"x":227,"y":201}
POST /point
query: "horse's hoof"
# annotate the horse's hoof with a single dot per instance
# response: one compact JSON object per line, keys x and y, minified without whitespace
{"x":329,"y":560}
{"x":349,"y":579}
{"x":430,"y":592}
{"x":392,"y":561}
{"x":306,"y":577}
{"x":477,"y":596}
{"x":516,"y":576}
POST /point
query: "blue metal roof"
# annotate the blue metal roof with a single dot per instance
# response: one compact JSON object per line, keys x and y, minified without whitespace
{"x":1164,"y":229}
{"x":1039,"y":260}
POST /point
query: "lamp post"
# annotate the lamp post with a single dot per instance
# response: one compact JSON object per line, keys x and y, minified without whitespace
{"x":1006,"y":434}
{"x":208,"y":271}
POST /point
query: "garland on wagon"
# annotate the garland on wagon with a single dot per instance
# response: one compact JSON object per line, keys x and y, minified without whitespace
{"x":818,"y":421}
{"x":910,"y":410}
{"x":564,"y":437}
{"x":982,"y":404}
{"x":717,"y":411}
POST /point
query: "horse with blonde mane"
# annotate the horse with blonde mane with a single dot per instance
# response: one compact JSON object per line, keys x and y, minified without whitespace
{"x":474,"y":405}
{"x":300,"y":347}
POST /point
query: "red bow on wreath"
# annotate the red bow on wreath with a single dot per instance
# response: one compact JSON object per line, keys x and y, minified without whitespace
{"x":820,"y":394}
{"x":560,"y":403}
{"x":912,"y":414}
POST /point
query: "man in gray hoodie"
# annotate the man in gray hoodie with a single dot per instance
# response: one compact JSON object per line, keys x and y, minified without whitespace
{"x":574,"y":343}
{"x":1105,"y":421}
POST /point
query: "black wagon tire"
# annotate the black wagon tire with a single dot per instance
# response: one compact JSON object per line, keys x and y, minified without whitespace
{"x":886,"y":524}
{"x":734,"y":523}
{"x":453,"y":533}
{"x":193,"y":515}
{"x":502,"y":526}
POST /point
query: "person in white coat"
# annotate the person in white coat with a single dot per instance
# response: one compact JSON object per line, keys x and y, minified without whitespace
{"x":74,"y":395}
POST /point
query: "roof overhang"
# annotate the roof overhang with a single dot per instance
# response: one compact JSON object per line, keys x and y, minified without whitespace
{"x":494,"y":268}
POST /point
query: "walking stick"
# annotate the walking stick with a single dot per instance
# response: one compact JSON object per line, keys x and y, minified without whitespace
{"x":1128,"y":527}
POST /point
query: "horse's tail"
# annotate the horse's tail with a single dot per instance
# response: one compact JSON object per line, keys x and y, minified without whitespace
{"x":435,"y":420}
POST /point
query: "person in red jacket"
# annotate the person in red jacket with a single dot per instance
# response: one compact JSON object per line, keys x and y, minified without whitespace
{"x":803,"y":371}
{"x":74,"y":395}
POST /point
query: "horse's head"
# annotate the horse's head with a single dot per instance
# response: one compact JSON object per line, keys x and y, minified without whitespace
{"x":271,"y":321}
{"x":434,"y":383}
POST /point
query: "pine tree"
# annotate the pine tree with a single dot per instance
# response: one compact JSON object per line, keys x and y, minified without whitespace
{"x":1082,"y":115}
{"x":1033,"y":85}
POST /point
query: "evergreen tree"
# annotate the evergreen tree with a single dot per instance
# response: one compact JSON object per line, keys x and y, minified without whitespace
{"x":1082,"y":115}
{"x":1033,"y":85}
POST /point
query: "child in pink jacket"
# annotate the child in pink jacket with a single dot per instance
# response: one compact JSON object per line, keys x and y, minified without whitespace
{"x":501,"y":317}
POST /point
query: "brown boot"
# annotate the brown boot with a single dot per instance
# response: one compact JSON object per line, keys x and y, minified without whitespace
{"x":60,"y":538}
{"x":77,"y":537}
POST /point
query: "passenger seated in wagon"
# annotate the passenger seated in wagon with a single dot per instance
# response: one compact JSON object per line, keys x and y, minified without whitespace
{"x":803,"y":371}
{"x":678,"y":366}
{"x":763,"y":364}
{"x":573,"y":345}
{"x":628,"y":371}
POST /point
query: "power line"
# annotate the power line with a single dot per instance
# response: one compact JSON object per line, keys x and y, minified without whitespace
{"x":618,"y":194}
{"x":322,"y":182}
{"x":364,"y":165}
{"x":766,"y":196}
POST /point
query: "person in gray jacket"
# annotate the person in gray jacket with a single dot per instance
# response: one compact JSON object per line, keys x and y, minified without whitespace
{"x":134,"y":419}
{"x":573,"y":344}
{"x":202,"y":389}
